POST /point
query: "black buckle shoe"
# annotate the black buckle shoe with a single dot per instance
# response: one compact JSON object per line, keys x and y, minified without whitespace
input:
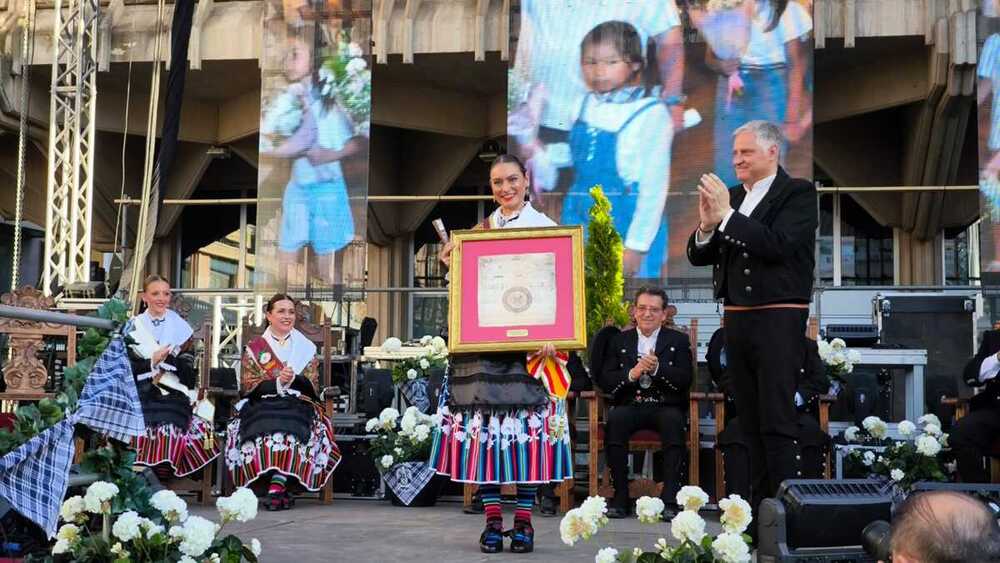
{"x":491,"y":541}
{"x":619,"y":508}
{"x":522,"y":539}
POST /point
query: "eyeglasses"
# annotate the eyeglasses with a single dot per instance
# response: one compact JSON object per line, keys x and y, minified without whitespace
{"x":647,"y":309}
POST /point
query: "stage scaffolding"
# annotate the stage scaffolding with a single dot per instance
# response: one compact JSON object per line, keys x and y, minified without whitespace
{"x":72,"y":113}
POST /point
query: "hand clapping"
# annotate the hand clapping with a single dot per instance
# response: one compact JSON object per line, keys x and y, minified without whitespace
{"x":713,"y":202}
{"x":647,"y":364}
{"x":286,"y":376}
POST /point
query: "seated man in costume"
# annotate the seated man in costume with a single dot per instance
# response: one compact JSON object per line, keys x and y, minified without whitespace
{"x":974,"y":434}
{"x":279,"y":429}
{"x":176,"y":443}
{"x":812,"y":442}
{"x":648,"y":371}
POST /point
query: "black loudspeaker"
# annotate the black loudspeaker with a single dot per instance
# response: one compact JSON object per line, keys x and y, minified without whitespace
{"x":941,"y":324}
{"x":820,"y":520}
{"x":375,"y":390}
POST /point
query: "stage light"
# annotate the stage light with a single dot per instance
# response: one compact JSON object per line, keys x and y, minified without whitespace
{"x":797,"y":524}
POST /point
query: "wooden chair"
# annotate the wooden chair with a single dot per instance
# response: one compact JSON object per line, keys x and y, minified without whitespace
{"x":25,"y":375}
{"x":643,"y":440}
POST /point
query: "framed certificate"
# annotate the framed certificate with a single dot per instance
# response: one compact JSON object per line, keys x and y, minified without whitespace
{"x":517,"y":289}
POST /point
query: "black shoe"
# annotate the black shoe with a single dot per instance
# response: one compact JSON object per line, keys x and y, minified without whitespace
{"x":547,"y":506}
{"x":492,"y":539}
{"x":476,"y":507}
{"x":522,"y":539}
{"x":668,"y":514}
{"x":619,"y":508}
{"x":274,"y":502}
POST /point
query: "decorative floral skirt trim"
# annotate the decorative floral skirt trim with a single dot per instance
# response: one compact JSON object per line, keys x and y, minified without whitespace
{"x":311,"y":463}
{"x":522,"y":446}
{"x":186,"y":452}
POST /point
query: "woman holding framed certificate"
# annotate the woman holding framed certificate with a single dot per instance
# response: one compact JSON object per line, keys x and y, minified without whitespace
{"x":502,"y":425}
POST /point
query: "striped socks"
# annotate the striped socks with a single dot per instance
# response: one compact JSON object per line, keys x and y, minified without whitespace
{"x":525,"y":500}
{"x":277,"y":484}
{"x":491,"y":502}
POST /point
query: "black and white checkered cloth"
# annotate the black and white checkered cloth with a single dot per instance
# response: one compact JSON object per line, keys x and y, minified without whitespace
{"x":408,"y":479}
{"x":33,"y":477}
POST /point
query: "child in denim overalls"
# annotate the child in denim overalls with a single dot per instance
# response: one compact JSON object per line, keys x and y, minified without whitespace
{"x":621,"y":141}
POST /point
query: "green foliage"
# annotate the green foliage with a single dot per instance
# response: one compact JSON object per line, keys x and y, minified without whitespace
{"x":401,"y":368}
{"x":603,"y":268}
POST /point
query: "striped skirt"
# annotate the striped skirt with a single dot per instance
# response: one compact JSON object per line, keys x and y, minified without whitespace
{"x":311,"y":463}
{"x":500,"y":447}
{"x":185,"y":451}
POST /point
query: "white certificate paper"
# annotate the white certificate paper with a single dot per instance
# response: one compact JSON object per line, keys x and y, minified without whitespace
{"x":517,"y":289}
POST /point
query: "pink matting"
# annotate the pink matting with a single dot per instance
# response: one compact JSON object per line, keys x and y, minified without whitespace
{"x":562,"y":246}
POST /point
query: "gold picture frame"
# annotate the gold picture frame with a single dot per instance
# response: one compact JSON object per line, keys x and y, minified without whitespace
{"x":568,"y":332}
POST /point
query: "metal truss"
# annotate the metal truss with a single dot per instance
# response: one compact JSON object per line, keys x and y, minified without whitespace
{"x":72,"y":113}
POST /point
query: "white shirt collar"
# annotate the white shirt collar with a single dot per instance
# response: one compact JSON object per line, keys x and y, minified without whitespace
{"x":647,"y":343}
{"x":762,"y":185}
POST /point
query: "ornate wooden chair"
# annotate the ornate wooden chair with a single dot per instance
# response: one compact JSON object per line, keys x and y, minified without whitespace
{"x":25,"y":375}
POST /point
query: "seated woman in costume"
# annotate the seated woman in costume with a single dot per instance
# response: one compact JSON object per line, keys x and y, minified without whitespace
{"x":279,"y":429}
{"x":176,"y":442}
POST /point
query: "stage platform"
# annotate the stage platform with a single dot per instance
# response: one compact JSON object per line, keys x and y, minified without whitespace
{"x":357,"y":530}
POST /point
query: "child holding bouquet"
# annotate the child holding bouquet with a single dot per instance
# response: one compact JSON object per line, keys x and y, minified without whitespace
{"x":316,"y":210}
{"x":621,"y":141}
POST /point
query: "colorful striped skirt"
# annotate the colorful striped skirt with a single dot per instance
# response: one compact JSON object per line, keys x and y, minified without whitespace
{"x":185,"y":451}
{"x":311,"y":463}
{"x":500,"y":447}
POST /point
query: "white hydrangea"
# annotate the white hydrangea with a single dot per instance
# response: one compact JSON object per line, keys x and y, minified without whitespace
{"x":392,"y":345}
{"x":854,"y":356}
{"x":906,"y":428}
{"x":119,"y":550}
{"x":387,"y":461}
{"x":68,"y":533}
{"x":73,"y":509}
{"x":897,"y":475}
{"x":736,"y":514}
{"x":421,"y":433}
{"x":575,"y":526}
{"x":411,"y":374}
{"x":851,"y":434}
{"x":186,"y":559}
{"x":928,"y":445}
{"x":663,"y":548}
{"x":61,"y":546}
{"x":691,"y":498}
{"x":197,"y":535}
{"x":387,"y":418}
{"x":424,"y":364}
{"x":409,"y":422}
{"x":241,"y":506}
{"x":440,"y":346}
{"x":876,"y":427}
{"x":372,"y":424}
{"x":648,"y":509}
{"x":930,"y":418}
{"x":99,"y":495}
{"x":425,"y":340}
{"x":932,"y":429}
{"x":126,"y":527}
{"x":172,"y":507}
{"x":606,"y":555}
{"x":731,"y":548}
{"x":838,"y":344}
{"x":688,"y":526}
{"x":595,"y":508}
{"x":151,"y":528}
{"x":825,"y":350}
{"x":255,"y":547}
{"x":868,"y":458}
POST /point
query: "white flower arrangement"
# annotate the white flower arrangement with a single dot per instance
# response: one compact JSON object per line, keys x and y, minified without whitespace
{"x":140,"y":539}
{"x":392,"y":345}
{"x":838,"y":358}
{"x":901,"y":462}
{"x":402,"y":441}
{"x":434,"y":355}
{"x":688,"y":527}
{"x":344,"y":78}
{"x":851,"y":434}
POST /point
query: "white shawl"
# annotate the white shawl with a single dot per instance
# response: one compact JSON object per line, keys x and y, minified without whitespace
{"x":297,"y":353}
